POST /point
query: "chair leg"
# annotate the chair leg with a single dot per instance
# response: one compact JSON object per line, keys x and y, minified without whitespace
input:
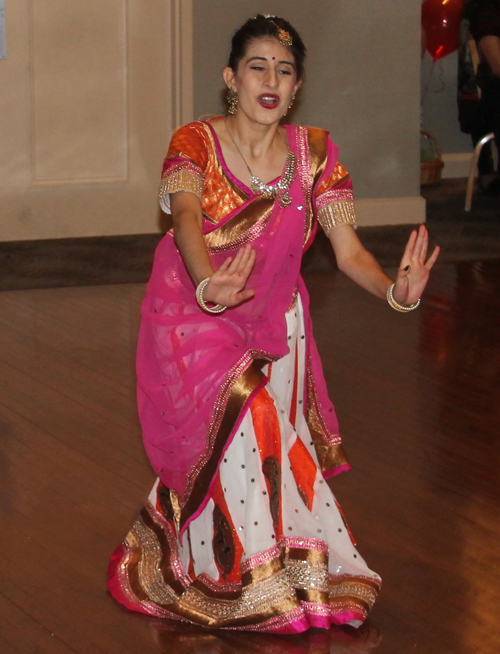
{"x":472,"y":169}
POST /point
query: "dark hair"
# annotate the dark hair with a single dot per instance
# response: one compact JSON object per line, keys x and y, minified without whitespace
{"x":261,"y":26}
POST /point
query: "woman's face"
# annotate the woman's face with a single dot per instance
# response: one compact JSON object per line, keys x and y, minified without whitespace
{"x":265,"y":80}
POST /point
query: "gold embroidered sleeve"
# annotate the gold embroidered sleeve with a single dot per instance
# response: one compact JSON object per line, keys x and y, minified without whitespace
{"x":184,"y":176}
{"x":334,"y":200}
{"x":336,"y":207}
{"x":341,"y":212}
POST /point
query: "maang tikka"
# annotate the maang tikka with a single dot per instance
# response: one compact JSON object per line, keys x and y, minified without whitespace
{"x":283,"y":36}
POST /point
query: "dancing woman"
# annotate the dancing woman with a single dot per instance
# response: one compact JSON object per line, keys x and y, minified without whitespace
{"x":241,"y":530}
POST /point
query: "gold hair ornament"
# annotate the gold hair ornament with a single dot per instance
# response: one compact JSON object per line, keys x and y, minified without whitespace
{"x":283,"y":36}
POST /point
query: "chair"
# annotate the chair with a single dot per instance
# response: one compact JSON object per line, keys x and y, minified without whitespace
{"x":472,"y":169}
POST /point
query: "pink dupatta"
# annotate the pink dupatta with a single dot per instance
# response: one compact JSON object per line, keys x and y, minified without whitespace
{"x":191,"y":365}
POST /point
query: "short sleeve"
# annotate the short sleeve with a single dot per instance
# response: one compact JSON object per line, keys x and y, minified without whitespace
{"x":334,"y":200}
{"x":185,"y":164}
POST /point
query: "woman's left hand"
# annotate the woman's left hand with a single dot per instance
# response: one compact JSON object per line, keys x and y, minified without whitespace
{"x":414,"y":270}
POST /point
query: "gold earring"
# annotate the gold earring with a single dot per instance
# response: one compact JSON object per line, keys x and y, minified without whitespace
{"x":290,"y":105}
{"x":232,"y":101}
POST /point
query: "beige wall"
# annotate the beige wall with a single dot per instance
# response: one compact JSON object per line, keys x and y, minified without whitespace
{"x":90,"y":92}
{"x":362,"y":83}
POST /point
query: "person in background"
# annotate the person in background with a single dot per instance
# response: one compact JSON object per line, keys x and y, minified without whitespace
{"x":484,"y":25}
{"x":469,"y":108}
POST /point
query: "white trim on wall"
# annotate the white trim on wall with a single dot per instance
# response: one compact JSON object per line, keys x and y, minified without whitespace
{"x":390,"y":211}
{"x":456,"y":165}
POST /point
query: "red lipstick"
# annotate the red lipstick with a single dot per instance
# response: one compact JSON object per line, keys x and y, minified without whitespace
{"x":269,"y":100}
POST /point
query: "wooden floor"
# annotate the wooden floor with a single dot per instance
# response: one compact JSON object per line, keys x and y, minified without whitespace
{"x":419,"y":402}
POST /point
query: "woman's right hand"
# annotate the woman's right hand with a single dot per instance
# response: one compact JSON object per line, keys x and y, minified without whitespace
{"x":227,"y":284}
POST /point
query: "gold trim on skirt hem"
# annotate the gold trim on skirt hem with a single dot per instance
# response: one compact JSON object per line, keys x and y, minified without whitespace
{"x":289,"y":579}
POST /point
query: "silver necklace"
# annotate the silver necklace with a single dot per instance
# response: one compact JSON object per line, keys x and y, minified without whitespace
{"x":272,"y":191}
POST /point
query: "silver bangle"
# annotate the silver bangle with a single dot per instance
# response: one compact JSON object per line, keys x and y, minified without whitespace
{"x":218,"y":308}
{"x":395,"y":305}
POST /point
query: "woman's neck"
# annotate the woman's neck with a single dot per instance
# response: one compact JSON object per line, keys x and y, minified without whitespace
{"x":256,"y":139}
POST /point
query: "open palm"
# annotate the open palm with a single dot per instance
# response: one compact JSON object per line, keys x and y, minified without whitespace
{"x":414,"y":270}
{"x":227,"y":284}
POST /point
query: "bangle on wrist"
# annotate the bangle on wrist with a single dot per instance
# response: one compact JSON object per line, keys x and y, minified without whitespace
{"x":218,"y":308}
{"x":395,"y":305}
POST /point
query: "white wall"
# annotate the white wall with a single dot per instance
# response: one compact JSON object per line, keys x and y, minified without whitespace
{"x":439,"y":103}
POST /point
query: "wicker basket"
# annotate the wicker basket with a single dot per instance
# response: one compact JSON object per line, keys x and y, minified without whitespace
{"x":430,"y":171}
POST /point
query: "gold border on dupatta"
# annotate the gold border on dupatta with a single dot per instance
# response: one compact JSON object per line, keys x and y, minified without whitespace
{"x":328,"y":446}
{"x":245,"y":226}
{"x":306,"y":178}
{"x":313,"y":151}
{"x":241,"y":389}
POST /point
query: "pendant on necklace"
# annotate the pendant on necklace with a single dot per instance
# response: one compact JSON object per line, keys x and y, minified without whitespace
{"x":279,"y":190}
{"x":285,"y":200}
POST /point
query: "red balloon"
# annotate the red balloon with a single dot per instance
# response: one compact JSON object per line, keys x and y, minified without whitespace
{"x":441,"y":23}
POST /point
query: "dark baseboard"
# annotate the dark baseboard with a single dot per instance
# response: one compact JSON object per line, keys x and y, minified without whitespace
{"x":63,"y":262}
{"x":76,"y":261}
{"x":128,"y":259}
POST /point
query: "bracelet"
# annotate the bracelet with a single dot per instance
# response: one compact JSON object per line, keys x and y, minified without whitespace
{"x":395,"y":305}
{"x":218,"y":308}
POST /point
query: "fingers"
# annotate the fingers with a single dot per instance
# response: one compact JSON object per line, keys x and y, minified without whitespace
{"x":433,"y":257}
{"x":228,"y":281}
{"x":250,"y":263}
{"x":425,"y":245}
{"x":243,"y":262}
{"x":420,"y":243}
{"x":408,"y":253}
{"x":225,"y":265}
{"x":416,"y":252}
{"x":240,"y":259}
{"x":414,"y":270}
{"x":235,"y":262}
{"x":245,"y":295}
{"x":247,"y":259}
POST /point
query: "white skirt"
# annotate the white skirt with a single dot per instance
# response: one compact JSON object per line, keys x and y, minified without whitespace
{"x":270,"y":551}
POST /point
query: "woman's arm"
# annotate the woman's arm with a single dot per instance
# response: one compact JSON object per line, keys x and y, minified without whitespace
{"x":227,"y":284}
{"x":187,"y":218}
{"x":358,"y":264}
{"x":489,"y":47}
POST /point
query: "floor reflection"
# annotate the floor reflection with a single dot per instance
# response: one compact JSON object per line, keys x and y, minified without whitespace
{"x":339,"y":640}
{"x":460,"y":346}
